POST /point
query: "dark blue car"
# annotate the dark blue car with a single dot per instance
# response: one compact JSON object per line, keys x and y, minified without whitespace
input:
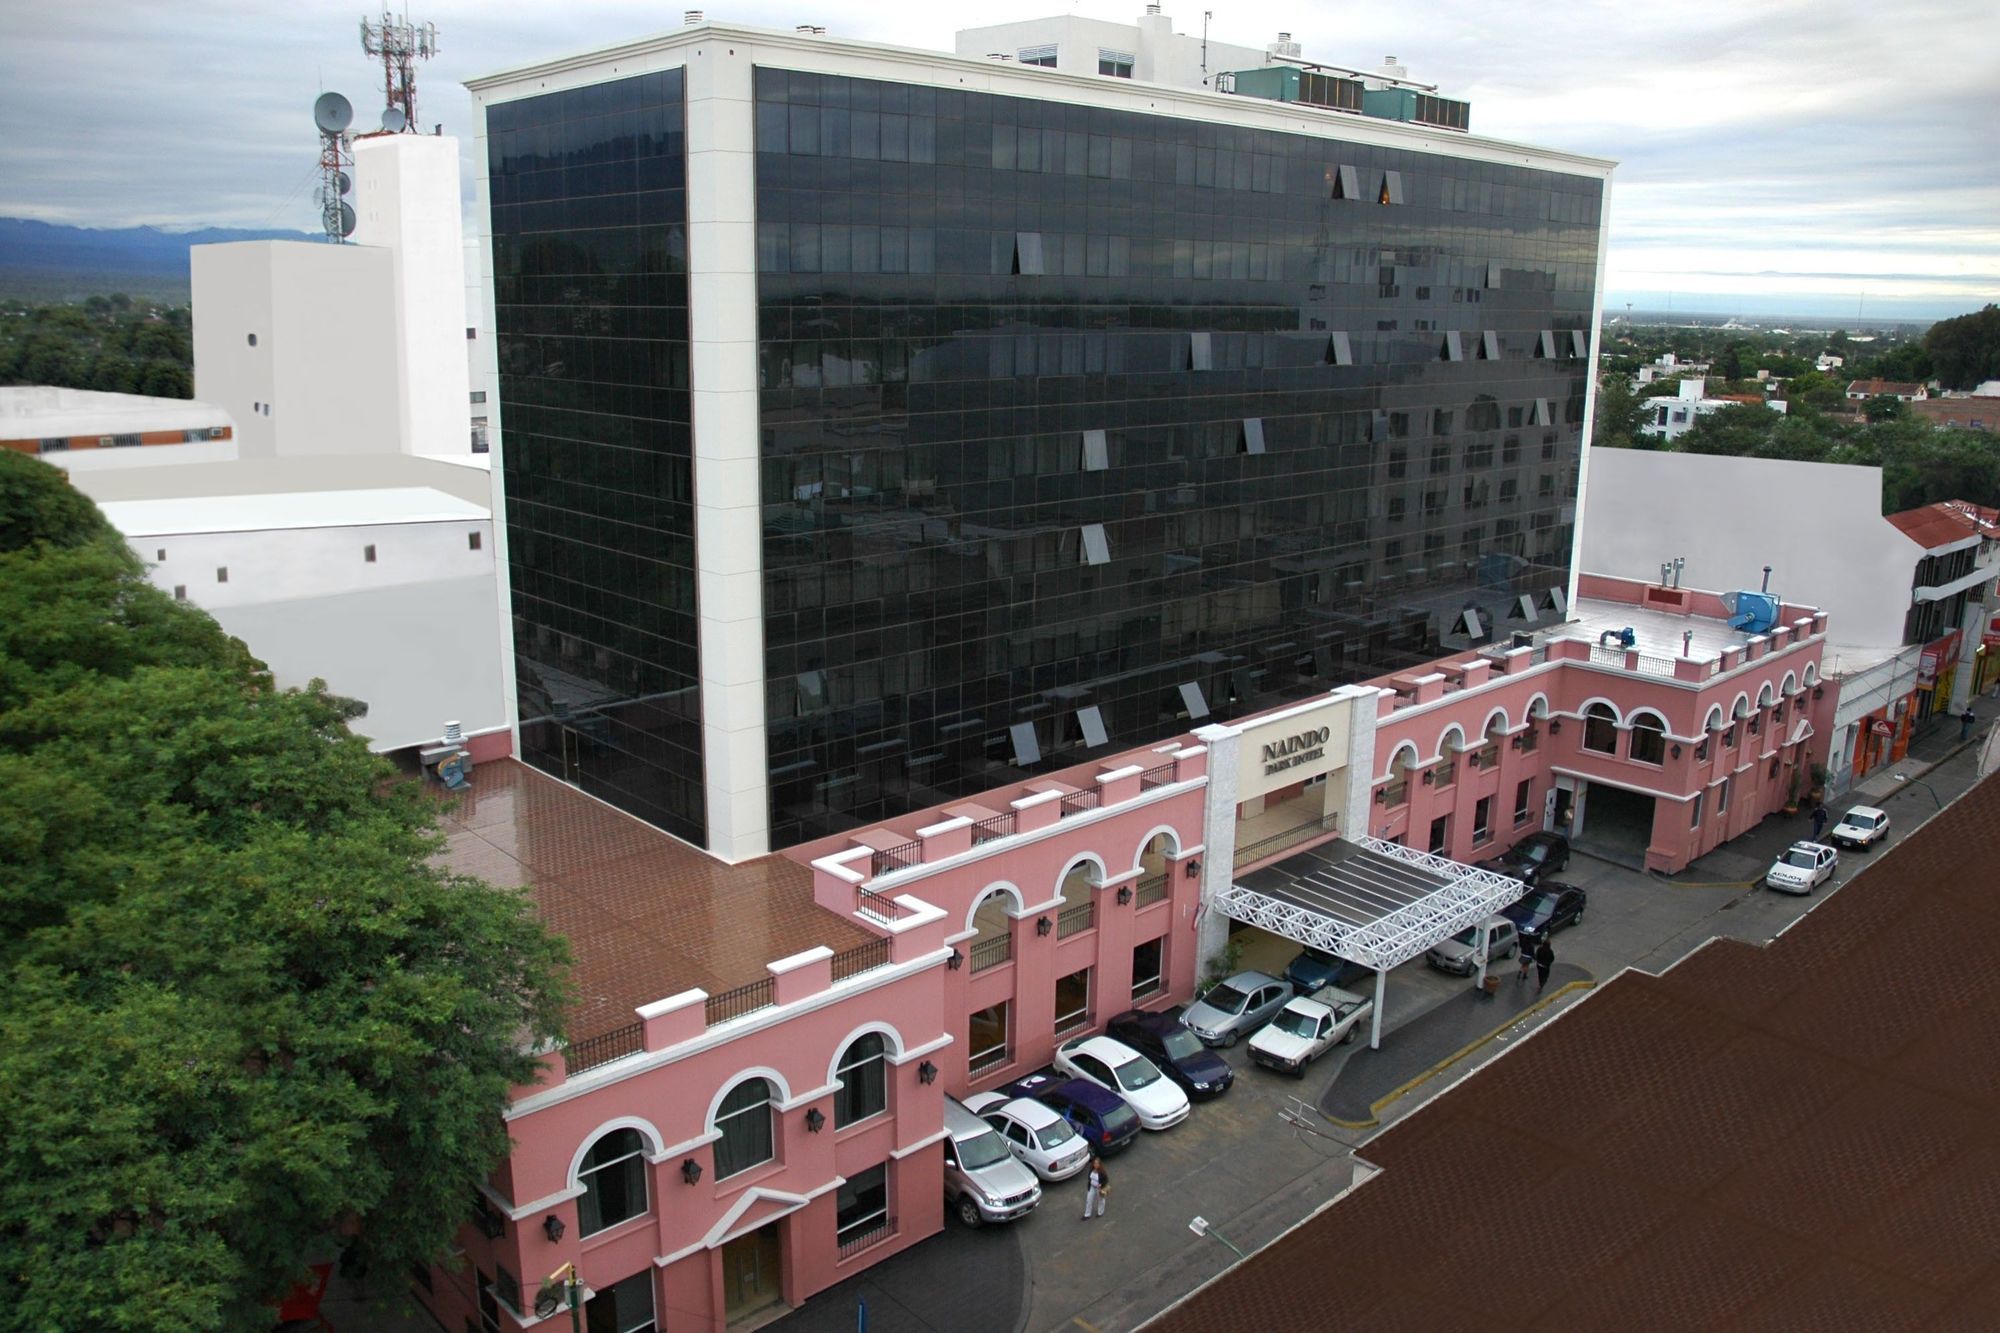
{"x":1103,"y":1118}
{"x":1200,"y":1072}
{"x":1315,"y":970}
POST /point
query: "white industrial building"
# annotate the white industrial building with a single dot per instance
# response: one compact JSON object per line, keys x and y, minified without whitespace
{"x":333,"y":513}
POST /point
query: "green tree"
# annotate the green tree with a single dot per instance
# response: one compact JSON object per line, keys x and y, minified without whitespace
{"x":165,"y":379}
{"x":1813,"y":391}
{"x":1620,"y":415}
{"x":1965,"y":352}
{"x":245,"y":1011}
{"x":1883,"y":407}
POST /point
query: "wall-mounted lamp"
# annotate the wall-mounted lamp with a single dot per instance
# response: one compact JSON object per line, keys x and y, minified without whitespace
{"x":1514,"y":741}
{"x":690,"y":1170}
{"x":552,"y":1227}
{"x":927,"y":1073}
{"x":1124,"y":894}
{"x":815,"y":1121}
{"x":1043,"y":925}
{"x":1429,"y":777}
{"x":956,"y":961}
{"x":1194,"y":869}
{"x":1819,"y":691}
{"x":1677,"y":751}
{"x":1381,"y":796}
{"x":1555,"y":726}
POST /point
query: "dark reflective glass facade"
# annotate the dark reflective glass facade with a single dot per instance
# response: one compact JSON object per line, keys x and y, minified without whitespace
{"x":591,"y":305}
{"x":1064,"y":410}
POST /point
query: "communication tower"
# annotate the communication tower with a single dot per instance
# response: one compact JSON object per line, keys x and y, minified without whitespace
{"x":400,"y":44}
{"x":332,"y":113}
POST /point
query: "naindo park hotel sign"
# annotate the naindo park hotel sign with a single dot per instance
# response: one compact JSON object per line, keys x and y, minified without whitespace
{"x":1292,"y":751}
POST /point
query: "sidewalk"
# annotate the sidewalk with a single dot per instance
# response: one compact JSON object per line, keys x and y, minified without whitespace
{"x":1937,"y":743}
{"x":1428,"y":1046}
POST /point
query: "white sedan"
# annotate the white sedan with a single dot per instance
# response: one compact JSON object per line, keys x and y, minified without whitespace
{"x":1803,"y":867}
{"x":1041,"y":1139}
{"x":1118,"y":1068}
{"x":1863,"y":826}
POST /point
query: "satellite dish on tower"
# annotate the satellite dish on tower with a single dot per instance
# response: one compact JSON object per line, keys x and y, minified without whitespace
{"x":332,"y":113}
{"x":347,"y":219}
{"x":393,"y":119}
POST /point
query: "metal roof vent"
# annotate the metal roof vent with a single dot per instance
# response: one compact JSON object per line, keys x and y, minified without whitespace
{"x":692,"y":17}
{"x":811,"y":30}
{"x":1285,"y":46}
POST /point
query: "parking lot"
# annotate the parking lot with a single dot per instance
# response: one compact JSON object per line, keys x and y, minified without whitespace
{"x":1237,"y":1161}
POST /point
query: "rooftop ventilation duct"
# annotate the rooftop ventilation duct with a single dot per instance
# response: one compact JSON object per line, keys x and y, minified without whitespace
{"x":692,"y":17}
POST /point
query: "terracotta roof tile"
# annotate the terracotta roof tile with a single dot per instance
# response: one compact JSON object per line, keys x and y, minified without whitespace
{"x":1795,"y":1136}
{"x":646,"y":915}
{"x":1930,"y":528}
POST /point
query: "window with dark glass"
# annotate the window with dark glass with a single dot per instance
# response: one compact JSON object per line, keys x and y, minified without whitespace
{"x":744,"y":1121}
{"x":1117,"y":64}
{"x":863,"y":1078}
{"x":613,"y":1176}
{"x":626,"y":1306}
{"x":1600,"y":729}
{"x":1649,"y":739}
{"x":1146,"y":969}
{"x":1072,"y":1000}
{"x":861,"y":1205}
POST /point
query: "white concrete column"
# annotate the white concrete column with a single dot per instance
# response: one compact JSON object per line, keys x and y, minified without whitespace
{"x":1973,"y":622}
{"x":1218,"y":835}
{"x":729,"y":553}
{"x":1355,"y":819}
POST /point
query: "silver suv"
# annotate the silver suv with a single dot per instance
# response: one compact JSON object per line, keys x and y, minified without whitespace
{"x":982,"y":1180}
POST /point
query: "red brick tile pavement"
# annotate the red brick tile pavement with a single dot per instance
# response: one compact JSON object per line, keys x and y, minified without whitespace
{"x":646,"y":915}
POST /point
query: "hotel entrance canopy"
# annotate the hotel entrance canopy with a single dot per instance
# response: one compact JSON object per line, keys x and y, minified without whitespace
{"x":1368,"y":901}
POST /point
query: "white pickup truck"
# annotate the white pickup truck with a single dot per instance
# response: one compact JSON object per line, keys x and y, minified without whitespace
{"x":1308,"y":1027}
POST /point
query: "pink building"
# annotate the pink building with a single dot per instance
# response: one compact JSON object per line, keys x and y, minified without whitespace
{"x":751,"y":1107}
{"x":1661,"y":750}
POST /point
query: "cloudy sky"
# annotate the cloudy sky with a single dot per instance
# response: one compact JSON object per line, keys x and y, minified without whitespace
{"x":1808,"y":156}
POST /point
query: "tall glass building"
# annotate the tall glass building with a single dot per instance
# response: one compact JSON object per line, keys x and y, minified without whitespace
{"x":881,"y":429}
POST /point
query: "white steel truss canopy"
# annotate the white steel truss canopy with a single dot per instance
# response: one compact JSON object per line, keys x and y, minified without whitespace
{"x":1368,"y":901}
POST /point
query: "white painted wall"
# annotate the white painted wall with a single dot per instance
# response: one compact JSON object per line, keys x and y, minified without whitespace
{"x":420,"y":654}
{"x":1818,"y":525}
{"x":303,"y":563}
{"x":1160,"y":54}
{"x":406,"y":192}
{"x":322,"y":377}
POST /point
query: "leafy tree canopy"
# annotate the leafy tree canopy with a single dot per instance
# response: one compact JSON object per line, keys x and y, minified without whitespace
{"x":245,"y":1012}
{"x":1965,"y":352}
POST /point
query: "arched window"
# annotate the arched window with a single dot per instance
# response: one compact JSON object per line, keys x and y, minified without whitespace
{"x":1600,"y":729}
{"x":744,"y":1121}
{"x":613,"y":1176}
{"x":1397,"y":791}
{"x":1649,"y":739}
{"x":864,"y":1084}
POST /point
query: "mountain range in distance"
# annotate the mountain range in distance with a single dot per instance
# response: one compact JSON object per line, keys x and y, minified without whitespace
{"x":50,"y":261}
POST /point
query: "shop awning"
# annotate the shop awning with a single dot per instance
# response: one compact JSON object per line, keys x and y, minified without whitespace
{"x":1368,"y":901}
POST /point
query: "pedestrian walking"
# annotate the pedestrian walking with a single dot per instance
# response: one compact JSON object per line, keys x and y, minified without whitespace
{"x":1819,"y":820}
{"x":1100,"y":1189}
{"x":1545,"y":958}
{"x":1526,"y":954}
{"x":1965,"y":721}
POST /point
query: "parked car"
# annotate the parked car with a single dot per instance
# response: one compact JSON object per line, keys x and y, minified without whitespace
{"x":1233,"y":1009}
{"x":982,"y":1181}
{"x":1179,"y":1053}
{"x":1042,"y":1140}
{"x":1863,"y":826}
{"x":1546,"y":909}
{"x":1315,"y":969}
{"x":1306,"y":1029}
{"x":1532,"y":857}
{"x":1802,"y":867}
{"x":1116,"y":1067}
{"x":1106,"y":1121}
{"x":1455,"y":954}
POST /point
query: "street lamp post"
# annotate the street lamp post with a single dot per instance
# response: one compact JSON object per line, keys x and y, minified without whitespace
{"x":1907,"y":780}
{"x":1200,"y":1227}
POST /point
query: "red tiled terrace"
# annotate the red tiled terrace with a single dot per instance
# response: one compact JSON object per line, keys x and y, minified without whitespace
{"x":647,"y":916}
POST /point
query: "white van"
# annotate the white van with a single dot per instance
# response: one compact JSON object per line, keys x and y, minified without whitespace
{"x":982,"y":1179}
